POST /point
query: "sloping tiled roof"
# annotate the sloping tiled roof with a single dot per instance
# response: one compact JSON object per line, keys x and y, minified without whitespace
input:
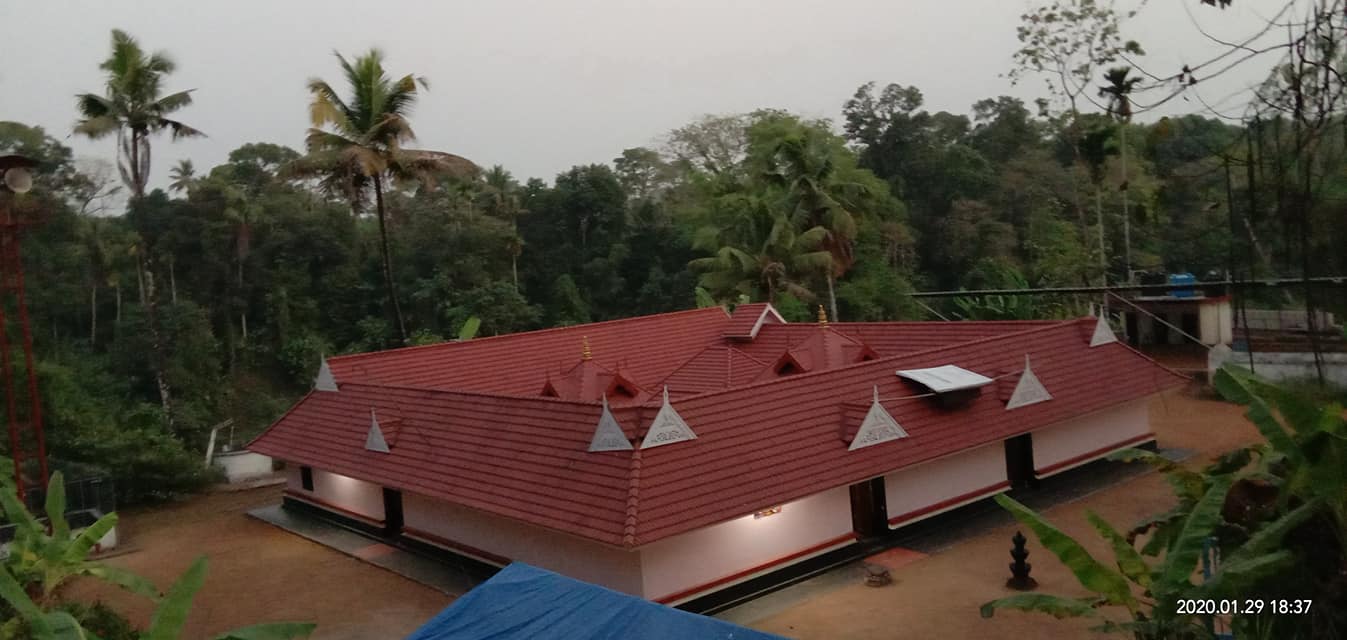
{"x":759,"y":444}
{"x":644,"y":349}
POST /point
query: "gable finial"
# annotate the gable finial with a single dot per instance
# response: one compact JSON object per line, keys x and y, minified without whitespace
{"x":822,"y":317}
{"x":324,"y":381}
{"x":585,"y":353}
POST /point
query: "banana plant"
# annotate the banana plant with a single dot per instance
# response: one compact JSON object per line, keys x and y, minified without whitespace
{"x":166,"y":624}
{"x":1145,"y":594}
{"x":43,"y":557}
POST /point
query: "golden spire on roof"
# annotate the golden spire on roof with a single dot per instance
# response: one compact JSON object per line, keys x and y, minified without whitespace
{"x":586,"y":354}
{"x":822,"y":317}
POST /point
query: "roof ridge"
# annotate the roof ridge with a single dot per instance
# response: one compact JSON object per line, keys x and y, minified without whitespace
{"x":1055,"y":325}
{"x":469,"y":392}
{"x":573,"y":327}
{"x":633,"y":496}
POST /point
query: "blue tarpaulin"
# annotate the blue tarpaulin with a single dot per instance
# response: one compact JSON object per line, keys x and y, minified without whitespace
{"x":523,"y":602}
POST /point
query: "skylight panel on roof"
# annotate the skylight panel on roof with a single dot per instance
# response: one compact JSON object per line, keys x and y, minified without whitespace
{"x":944,"y":379}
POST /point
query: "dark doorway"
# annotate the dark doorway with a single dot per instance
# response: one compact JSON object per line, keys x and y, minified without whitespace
{"x":1133,"y":332}
{"x":1161,"y":329}
{"x":392,"y":511}
{"x":1020,"y":461}
{"x":869,"y":508}
{"x":1189,"y":324}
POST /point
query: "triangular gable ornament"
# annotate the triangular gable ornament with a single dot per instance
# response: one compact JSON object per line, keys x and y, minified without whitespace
{"x":324,"y":381}
{"x":1103,"y":333}
{"x":667,"y":428}
{"x":608,"y":435}
{"x":1029,"y":390}
{"x":878,"y":426}
{"x":374,"y":440}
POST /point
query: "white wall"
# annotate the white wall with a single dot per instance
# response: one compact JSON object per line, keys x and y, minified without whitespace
{"x":243,"y":465}
{"x":722,"y":551}
{"x":911,"y":490}
{"x":611,"y":567}
{"x":1217,"y":326}
{"x":1102,"y":430}
{"x":341,"y":491}
{"x":1294,"y":366}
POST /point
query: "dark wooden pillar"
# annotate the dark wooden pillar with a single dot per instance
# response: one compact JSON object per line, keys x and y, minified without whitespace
{"x":392,"y":511}
{"x":869,"y":510}
{"x":1020,"y":461}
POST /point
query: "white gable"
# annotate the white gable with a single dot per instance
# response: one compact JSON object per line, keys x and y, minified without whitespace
{"x":878,"y":426}
{"x":325,"y":381}
{"x":945,"y":378}
{"x":1028,"y":390}
{"x":1103,"y":334}
{"x":667,"y":428}
{"x":608,"y":435}
{"x":374,"y":440}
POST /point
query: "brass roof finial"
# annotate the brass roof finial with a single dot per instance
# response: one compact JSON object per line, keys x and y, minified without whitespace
{"x":822,"y":317}
{"x":586,"y":354}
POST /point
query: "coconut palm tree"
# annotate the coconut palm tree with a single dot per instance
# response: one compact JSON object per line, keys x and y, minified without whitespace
{"x":355,"y":146}
{"x":134,"y":108}
{"x":502,"y":195}
{"x":818,"y":200}
{"x":760,"y":254}
{"x":183,"y":175}
{"x":1118,"y":92}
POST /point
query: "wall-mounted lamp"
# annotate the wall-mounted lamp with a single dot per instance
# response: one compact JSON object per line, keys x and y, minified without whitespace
{"x":767,"y":512}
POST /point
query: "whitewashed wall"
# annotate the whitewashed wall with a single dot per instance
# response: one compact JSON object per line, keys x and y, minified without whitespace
{"x":979,"y":472}
{"x":611,"y":567}
{"x":1217,"y":323}
{"x":1097,"y":433}
{"x":341,"y":491}
{"x":717,"y":553}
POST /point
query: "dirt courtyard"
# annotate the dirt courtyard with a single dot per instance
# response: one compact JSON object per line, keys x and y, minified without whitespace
{"x":261,"y":573}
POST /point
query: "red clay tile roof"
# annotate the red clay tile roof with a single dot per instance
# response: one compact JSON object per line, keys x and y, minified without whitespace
{"x":514,"y":454}
{"x":748,"y":319}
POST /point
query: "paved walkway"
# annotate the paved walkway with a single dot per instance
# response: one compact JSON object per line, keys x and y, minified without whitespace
{"x":938,"y":596}
{"x":945,"y":532}
{"x":426,"y":571}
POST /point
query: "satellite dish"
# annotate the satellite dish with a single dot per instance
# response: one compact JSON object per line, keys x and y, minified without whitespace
{"x":18,"y":180}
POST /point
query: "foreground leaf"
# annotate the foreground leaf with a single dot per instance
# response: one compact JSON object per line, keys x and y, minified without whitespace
{"x":171,"y":615}
{"x":271,"y":631}
{"x":1092,"y":575}
{"x":1055,"y":606}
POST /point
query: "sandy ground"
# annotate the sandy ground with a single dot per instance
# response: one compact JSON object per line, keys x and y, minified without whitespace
{"x":261,"y":573}
{"x":938,"y":596}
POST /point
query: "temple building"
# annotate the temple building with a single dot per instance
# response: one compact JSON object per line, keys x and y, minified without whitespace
{"x":677,"y":455}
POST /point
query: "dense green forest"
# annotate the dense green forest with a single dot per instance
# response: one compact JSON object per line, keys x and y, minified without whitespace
{"x":162,"y":312}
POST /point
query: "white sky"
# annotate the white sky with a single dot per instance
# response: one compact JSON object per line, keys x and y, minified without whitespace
{"x":539,"y":86}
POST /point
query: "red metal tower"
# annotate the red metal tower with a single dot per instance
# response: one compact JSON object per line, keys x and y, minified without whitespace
{"x":27,"y":444}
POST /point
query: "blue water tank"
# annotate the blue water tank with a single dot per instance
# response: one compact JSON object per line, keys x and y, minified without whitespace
{"x":1183,"y":284}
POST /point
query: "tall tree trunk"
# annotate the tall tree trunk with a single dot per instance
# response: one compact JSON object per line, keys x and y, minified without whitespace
{"x":117,"y":294}
{"x":1126,"y":216}
{"x":140,"y":278}
{"x":243,"y":303}
{"x":157,"y":350}
{"x":172,"y":280}
{"x":93,"y":315}
{"x":1099,"y":220}
{"x":138,"y":181}
{"x":832,"y":297}
{"x":384,"y":248}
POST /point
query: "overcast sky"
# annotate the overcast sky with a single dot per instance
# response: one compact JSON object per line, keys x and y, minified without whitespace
{"x":539,"y":86}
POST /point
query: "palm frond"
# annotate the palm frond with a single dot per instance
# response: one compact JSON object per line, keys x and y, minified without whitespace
{"x":179,"y":130}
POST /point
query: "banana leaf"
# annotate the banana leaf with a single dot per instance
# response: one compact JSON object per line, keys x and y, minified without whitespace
{"x":1055,"y":606}
{"x":1093,"y":575}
